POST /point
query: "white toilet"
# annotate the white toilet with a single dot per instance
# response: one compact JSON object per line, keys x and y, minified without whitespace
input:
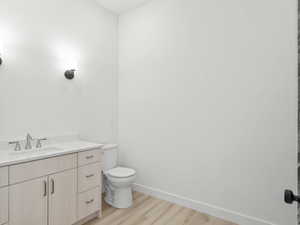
{"x":117,"y":180}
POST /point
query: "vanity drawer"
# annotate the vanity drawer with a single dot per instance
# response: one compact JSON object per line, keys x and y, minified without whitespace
{"x":39,"y":168}
{"x":88,"y":157}
{"x":89,"y":203}
{"x":3,"y":176}
{"x":89,"y":177}
{"x":3,"y":205}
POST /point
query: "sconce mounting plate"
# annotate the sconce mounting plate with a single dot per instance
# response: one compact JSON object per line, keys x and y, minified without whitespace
{"x":69,"y":74}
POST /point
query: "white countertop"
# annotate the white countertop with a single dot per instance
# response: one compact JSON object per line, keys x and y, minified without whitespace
{"x":109,"y":146}
{"x":10,"y":157}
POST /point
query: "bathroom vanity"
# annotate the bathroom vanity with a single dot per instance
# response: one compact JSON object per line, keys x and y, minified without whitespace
{"x":58,"y":185}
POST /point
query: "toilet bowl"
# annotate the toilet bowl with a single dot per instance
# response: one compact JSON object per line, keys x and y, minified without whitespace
{"x":117,"y":180}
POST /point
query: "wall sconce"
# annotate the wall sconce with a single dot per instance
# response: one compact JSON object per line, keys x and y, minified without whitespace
{"x":69,"y":74}
{"x":1,"y":61}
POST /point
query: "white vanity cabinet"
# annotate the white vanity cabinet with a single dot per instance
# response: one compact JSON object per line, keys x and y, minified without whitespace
{"x":33,"y":200}
{"x":62,"y":198}
{"x":3,"y":195}
{"x":89,"y":183}
{"x":3,"y":176}
{"x":60,"y":190}
{"x":28,"y":202}
{"x":3,"y":205}
{"x":88,"y":202}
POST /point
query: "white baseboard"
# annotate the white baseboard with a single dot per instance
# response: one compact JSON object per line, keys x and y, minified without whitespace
{"x":212,"y":210}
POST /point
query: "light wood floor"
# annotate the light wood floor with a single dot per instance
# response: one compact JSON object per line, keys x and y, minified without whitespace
{"x":147,"y":210}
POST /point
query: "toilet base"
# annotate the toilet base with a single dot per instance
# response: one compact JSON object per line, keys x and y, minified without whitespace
{"x":120,"y":198}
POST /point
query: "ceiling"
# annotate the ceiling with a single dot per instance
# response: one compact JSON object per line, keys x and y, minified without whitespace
{"x":119,"y":6}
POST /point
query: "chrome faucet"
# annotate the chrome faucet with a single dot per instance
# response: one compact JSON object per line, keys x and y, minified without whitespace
{"x":28,"y":142}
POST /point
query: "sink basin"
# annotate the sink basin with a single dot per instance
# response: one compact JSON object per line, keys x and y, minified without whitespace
{"x":36,"y":150}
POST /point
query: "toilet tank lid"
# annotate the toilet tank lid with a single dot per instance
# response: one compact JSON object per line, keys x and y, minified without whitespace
{"x":120,"y":172}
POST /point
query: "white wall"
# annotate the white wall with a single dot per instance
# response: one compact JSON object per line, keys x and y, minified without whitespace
{"x":207,"y":102}
{"x":39,"y":40}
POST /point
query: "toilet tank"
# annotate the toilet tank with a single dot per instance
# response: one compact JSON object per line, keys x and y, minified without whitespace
{"x":110,"y":157}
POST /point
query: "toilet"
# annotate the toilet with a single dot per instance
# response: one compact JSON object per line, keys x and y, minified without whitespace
{"x":117,"y":180}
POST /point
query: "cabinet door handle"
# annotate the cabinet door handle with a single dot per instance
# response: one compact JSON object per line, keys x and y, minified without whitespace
{"x":52,"y":186}
{"x":89,"y":157}
{"x":45,"y":188}
{"x":89,"y":202}
{"x":89,"y":176}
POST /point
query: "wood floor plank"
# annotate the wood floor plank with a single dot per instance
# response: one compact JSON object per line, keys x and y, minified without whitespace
{"x":169,"y":215}
{"x":182,"y":218}
{"x":148,"y":210}
{"x":138,"y":199}
{"x":154,"y":215}
{"x":122,"y":214}
{"x":137,"y":217}
{"x":199,"y":218}
{"x":136,"y":195}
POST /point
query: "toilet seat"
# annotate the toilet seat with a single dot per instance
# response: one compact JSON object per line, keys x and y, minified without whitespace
{"x":120,"y":172}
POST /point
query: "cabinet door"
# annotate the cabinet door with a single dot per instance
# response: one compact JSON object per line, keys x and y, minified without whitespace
{"x":3,"y":205}
{"x":28,"y":203}
{"x":62,"y":198}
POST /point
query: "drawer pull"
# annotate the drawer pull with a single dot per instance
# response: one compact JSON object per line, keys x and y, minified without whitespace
{"x":45,"y":188}
{"x":90,"y":201}
{"x":52,"y":186}
{"x":89,"y":176}
{"x":89,"y":157}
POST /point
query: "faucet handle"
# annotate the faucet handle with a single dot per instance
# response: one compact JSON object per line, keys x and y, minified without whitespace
{"x":17,"y":143}
{"x":39,"y":142}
